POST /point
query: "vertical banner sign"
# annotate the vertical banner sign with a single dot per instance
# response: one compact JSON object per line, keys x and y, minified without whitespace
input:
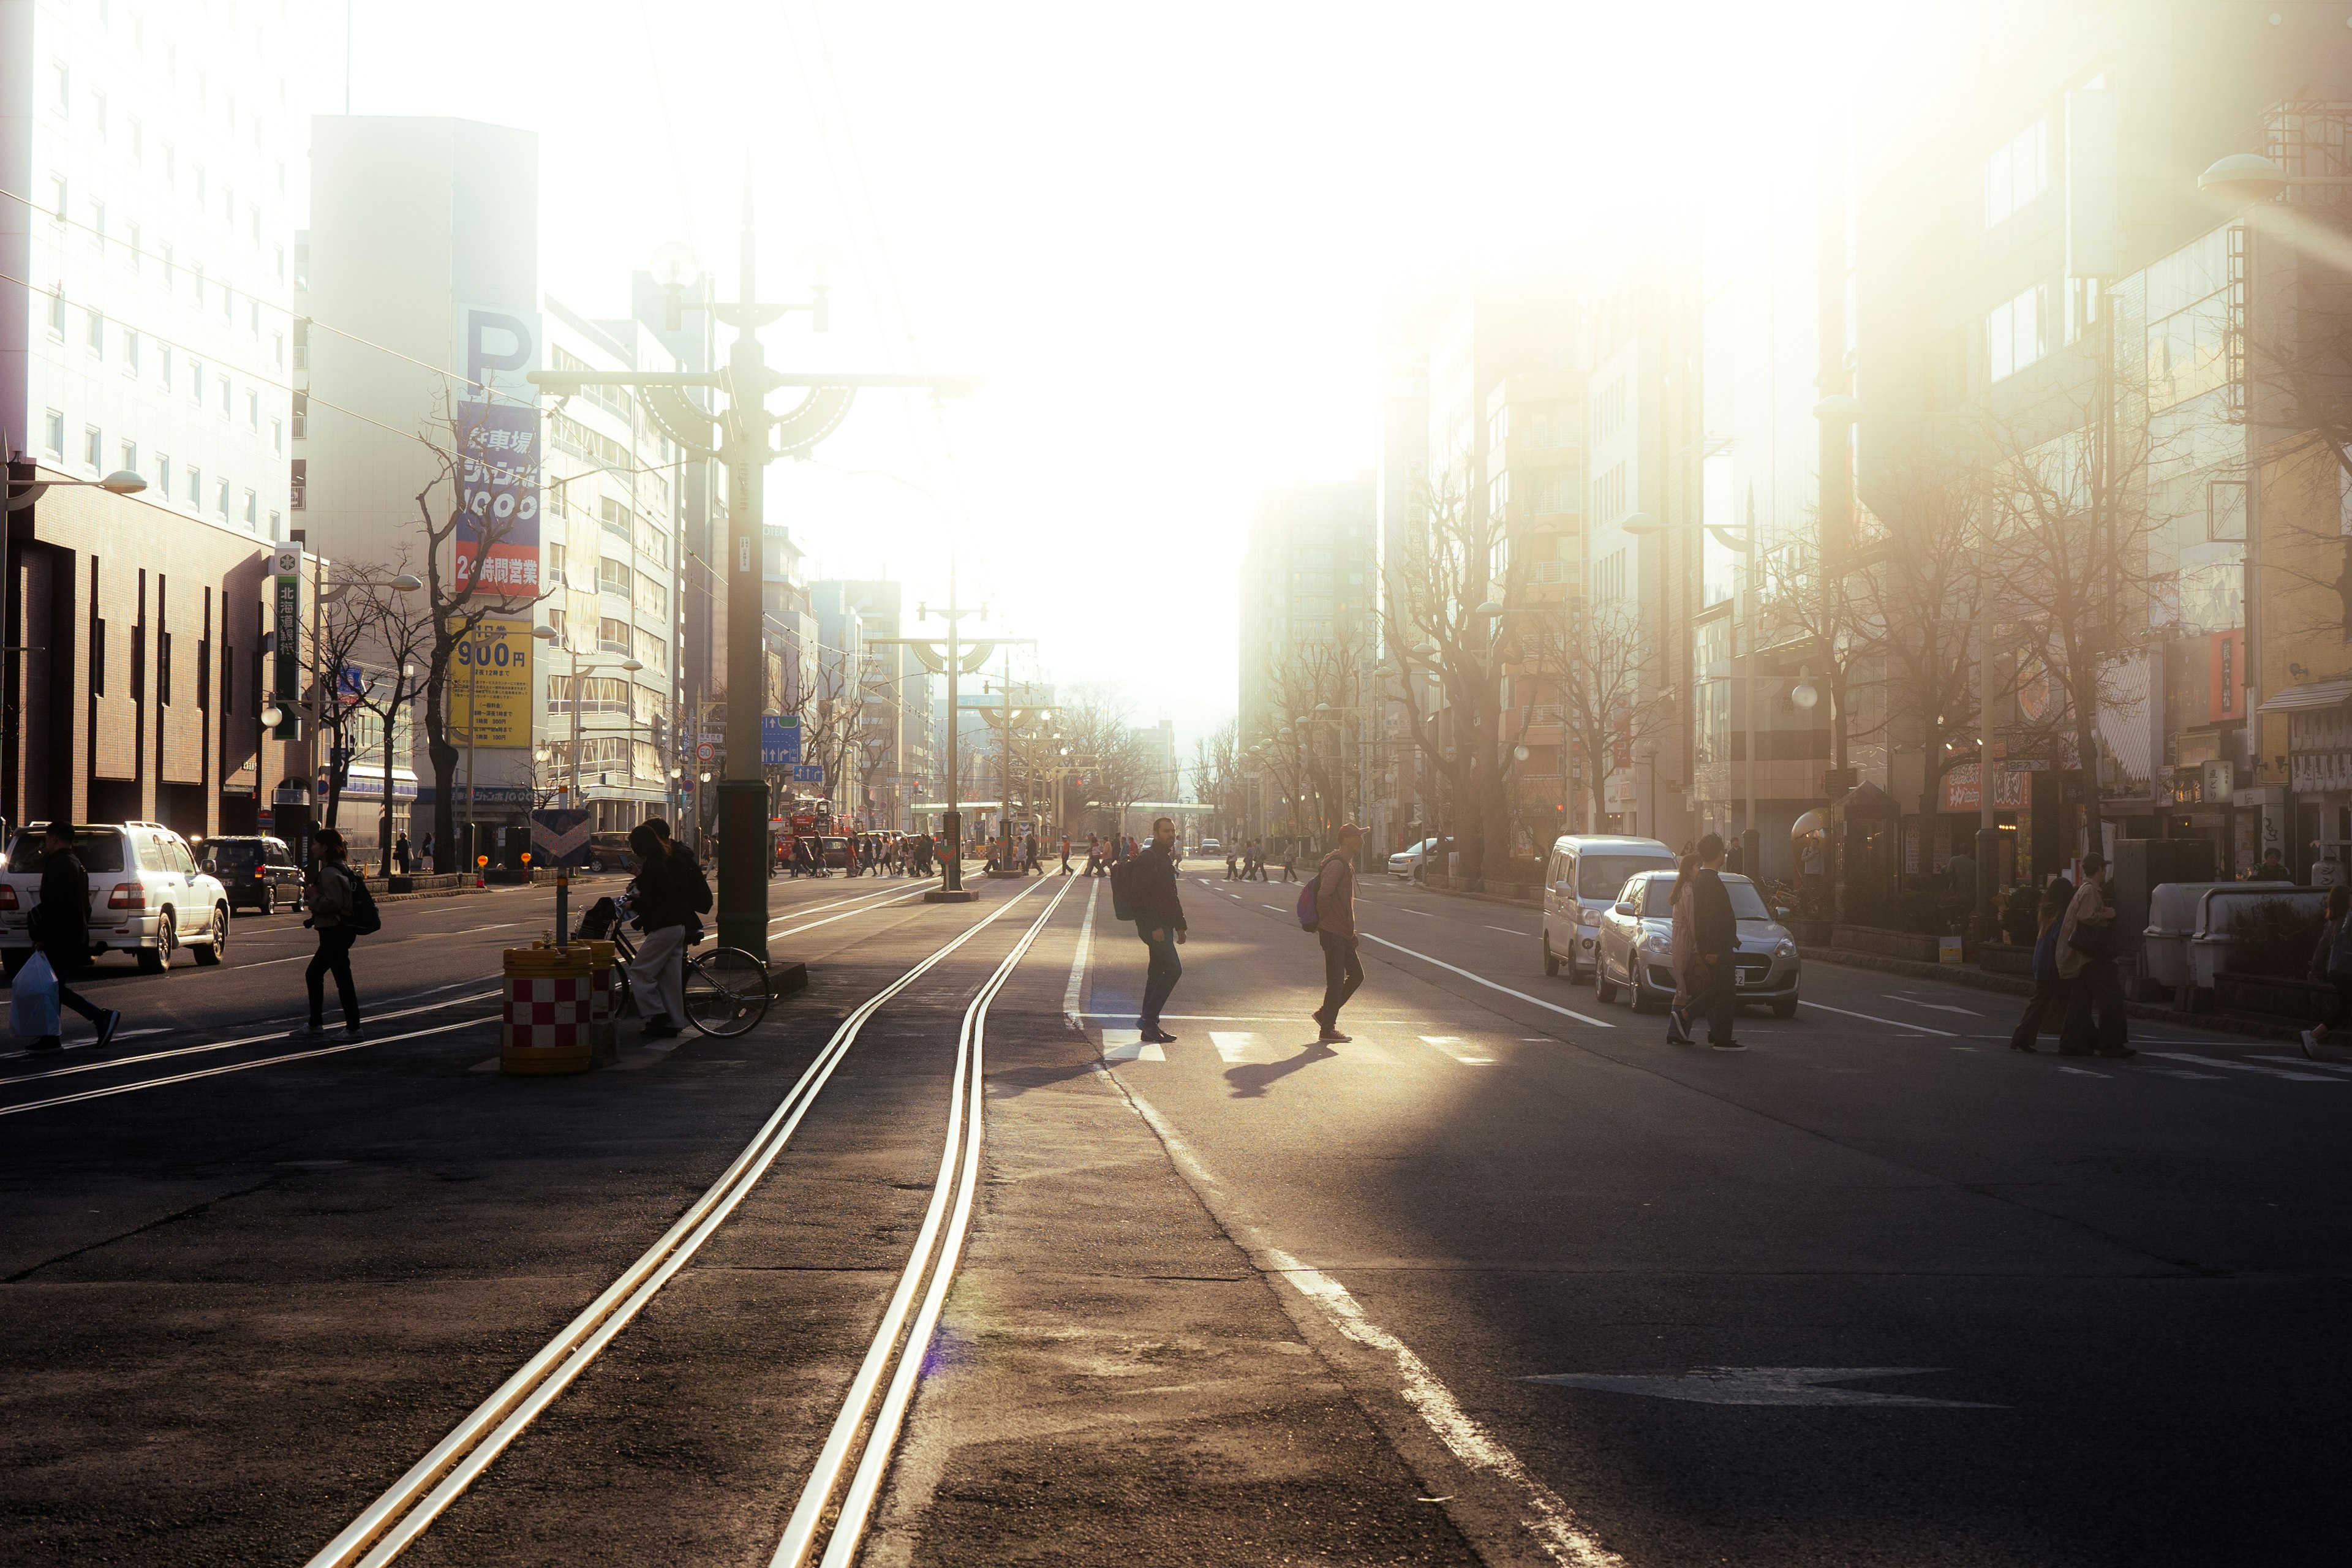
{"x":489,"y":685}
{"x":498,"y":438}
{"x":286,"y":672}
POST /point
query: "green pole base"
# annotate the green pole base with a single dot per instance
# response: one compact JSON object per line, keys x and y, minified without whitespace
{"x":742,"y":892}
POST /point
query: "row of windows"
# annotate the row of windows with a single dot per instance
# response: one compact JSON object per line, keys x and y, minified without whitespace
{"x":181,"y":486}
{"x":214,"y":391}
{"x":135,"y":253}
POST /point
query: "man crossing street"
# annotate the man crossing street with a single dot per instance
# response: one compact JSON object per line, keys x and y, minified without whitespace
{"x":1160,"y":922}
{"x":1335,"y":927}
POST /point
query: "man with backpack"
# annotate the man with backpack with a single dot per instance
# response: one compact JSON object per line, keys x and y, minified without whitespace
{"x":1330,"y":901}
{"x":341,"y":911}
{"x":1143,"y":888}
{"x":1715,"y":941}
{"x":63,"y":920}
{"x":670,"y":891}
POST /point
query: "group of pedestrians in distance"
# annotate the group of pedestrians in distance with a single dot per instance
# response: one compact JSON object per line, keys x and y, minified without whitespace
{"x":1106,"y":850}
{"x":2075,"y":973}
{"x":1247,"y":862}
{"x":862,"y":855}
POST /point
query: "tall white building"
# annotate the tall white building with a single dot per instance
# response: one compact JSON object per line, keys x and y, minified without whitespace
{"x":145,"y":241}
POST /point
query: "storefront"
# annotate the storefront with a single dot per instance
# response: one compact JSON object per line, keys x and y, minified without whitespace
{"x":2318,"y":792}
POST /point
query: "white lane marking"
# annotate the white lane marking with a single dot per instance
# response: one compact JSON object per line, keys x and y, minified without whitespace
{"x":1553,"y":1006}
{"x":895,"y":898}
{"x":1127,"y":1045}
{"x":885,"y":897}
{"x":2184,"y":1072}
{"x":1509,"y":930}
{"x":104,"y":1063}
{"x":1235,"y":1045}
{"x":1424,"y":914}
{"x":1762,"y":1385}
{"x":1078,"y":965}
{"x":502,"y":925}
{"x":2084,"y":1072}
{"x":2244,"y":1066}
{"x":240,"y":1066}
{"x":2296,"y":1062}
{"x":1873,"y":1018}
{"x":1563,"y":1536}
{"x":266,"y":962}
{"x":1453,"y":1046}
{"x":1370,"y":1053}
{"x":1936,"y":1006}
{"x":1275,"y":908}
{"x":1270,"y":1018}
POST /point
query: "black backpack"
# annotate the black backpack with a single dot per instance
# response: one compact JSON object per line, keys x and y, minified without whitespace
{"x":364,"y":919}
{"x":1122,"y":889}
{"x":693,"y":884}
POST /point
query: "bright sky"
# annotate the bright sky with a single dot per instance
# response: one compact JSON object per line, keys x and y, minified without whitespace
{"x":1163,"y":235}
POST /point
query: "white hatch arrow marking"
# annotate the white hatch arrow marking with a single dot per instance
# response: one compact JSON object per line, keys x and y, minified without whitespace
{"x":1127,"y":1045}
{"x":1761,"y":1386}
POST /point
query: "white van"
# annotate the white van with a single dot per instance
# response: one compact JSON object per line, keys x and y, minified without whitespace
{"x":1586,"y":873}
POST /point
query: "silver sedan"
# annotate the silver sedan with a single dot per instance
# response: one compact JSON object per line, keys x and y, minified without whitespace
{"x":1634,"y":954}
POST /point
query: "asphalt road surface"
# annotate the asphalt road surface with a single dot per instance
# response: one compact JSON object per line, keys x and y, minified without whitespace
{"x":1507,"y":1279}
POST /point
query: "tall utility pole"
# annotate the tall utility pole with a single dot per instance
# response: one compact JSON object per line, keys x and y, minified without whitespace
{"x":745,"y":437}
{"x":951,"y":656}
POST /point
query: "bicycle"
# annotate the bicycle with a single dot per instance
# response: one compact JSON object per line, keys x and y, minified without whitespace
{"x":726,"y":989}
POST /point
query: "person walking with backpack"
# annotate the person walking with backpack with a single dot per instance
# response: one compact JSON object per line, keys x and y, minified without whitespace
{"x":1149,"y":883}
{"x":2331,"y":961}
{"x":1334,"y":892}
{"x":2051,"y":989}
{"x":1714,"y":938}
{"x":341,"y":913}
{"x":62,"y":927}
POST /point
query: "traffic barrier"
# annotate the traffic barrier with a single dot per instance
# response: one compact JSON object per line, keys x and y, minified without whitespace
{"x":605,"y":1043}
{"x":550,"y":1019}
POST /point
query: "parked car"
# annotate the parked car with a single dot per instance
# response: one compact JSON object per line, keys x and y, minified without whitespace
{"x":1408,"y":860}
{"x":610,"y":852}
{"x":1211,"y":849}
{"x":1635,"y":951}
{"x":257,"y":870}
{"x":1583,"y":878}
{"x":147,"y":897}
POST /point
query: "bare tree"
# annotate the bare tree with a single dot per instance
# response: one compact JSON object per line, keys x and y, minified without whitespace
{"x":1448,"y":662}
{"x":1589,"y":656}
{"x":1310,"y":736}
{"x":464,"y":495}
{"x":1122,"y":770}
{"x":397,"y":633}
{"x":1817,"y":610}
{"x":1916,"y":588}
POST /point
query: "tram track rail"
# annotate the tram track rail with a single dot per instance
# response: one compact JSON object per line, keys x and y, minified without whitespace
{"x":408,"y":1508}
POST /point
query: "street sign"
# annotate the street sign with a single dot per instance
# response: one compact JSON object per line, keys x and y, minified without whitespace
{"x":560,"y":837}
{"x":808,"y":772}
{"x":780,"y":740}
{"x":705,"y":752}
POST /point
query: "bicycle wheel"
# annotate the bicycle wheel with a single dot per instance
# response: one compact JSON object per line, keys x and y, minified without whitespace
{"x":726,"y":990}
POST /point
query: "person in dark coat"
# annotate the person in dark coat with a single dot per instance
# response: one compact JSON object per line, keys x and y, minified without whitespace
{"x":63,"y":921}
{"x":400,"y":854}
{"x":1715,"y":938}
{"x":1160,"y":922}
{"x":656,"y":979}
{"x":1335,"y":927}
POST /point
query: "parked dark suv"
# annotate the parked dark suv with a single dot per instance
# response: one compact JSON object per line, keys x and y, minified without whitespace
{"x":258,"y":872}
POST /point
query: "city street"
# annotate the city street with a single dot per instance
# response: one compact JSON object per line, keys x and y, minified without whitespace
{"x":1505,"y":1278}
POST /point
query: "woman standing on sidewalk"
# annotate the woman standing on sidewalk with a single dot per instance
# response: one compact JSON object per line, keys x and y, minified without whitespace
{"x":1682,"y":900}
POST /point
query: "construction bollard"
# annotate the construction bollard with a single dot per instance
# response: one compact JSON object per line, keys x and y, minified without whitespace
{"x":604,"y":1038}
{"x":548,"y":1026}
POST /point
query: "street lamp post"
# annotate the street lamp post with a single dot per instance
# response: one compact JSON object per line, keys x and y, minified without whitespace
{"x":571,"y":788}
{"x":951,"y":656}
{"x":746,"y":437}
{"x":1743,"y":539}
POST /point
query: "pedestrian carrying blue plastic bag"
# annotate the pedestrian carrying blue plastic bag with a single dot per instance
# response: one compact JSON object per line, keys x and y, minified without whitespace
{"x":32,"y":1005}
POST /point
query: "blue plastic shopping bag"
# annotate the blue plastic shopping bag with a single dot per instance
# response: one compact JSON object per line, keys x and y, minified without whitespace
{"x":33,"y":1000}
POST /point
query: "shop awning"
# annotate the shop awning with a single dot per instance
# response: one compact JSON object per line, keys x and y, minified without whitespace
{"x":2311,"y":694}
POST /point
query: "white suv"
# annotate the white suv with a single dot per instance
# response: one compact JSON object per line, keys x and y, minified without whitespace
{"x":146,"y":895}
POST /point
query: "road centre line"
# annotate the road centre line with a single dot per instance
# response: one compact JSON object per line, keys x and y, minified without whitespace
{"x":1873,"y":1018}
{"x":1554,"y":1007}
{"x":502,"y":925}
{"x":221,"y":1044}
{"x":1936,"y":1006}
{"x":855,"y":899}
{"x":239,"y":1066}
{"x":1511,"y":931}
{"x":845,"y":914}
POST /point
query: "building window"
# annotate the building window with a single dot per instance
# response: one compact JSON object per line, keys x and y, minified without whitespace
{"x":138,"y":143}
{"x":130,"y":456}
{"x":2017,"y":172}
{"x":92,"y":444}
{"x":615,"y":519}
{"x":98,"y":222}
{"x":163,"y":364}
{"x":60,"y":88}
{"x":281,"y":264}
{"x":129,"y":353}
{"x":163,"y":477}
{"x":253,"y":412}
{"x":253,"y":317}
{"x":301,"y":479}
{"x":97,"y":332}
{"x":2017,"y":333}
{"x":301,"y":416}
{"x":131,"y":237}
{"x":224,"y":397}
{"x":195,"y":488}
{"x":220,"y":499}
{"x":301,"y":343}
{"x":98,"y":110}
{"x":278,"y":436}
{"x":613,"y":576}
{"x":613,"y":636}
{"x":170,"y":273}
{"x":277,"y":350}
{"x":57,"y":197}
{"x":252,"y":509}
{"x":58,"y":315}
{"x":55,"y":435}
